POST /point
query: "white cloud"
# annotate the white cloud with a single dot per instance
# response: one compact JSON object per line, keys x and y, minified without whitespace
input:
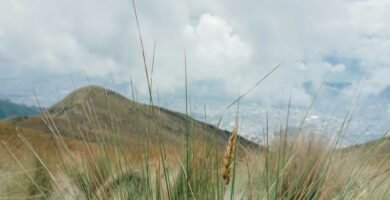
{"x":338,"y":68}
{"x":62,"y":36}
{"x":215,"y":50}
{"x":232,"y":43}
{"x":378,"y":81}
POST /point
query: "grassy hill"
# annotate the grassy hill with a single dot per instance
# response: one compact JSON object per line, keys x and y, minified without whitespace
{"x":9,"y":109}
{"x":96,"y":113}
{"x":94,"y":123}
{"x":379,"y":150}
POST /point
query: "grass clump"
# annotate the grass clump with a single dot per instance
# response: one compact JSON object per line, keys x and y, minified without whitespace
{"x":43,"y":185}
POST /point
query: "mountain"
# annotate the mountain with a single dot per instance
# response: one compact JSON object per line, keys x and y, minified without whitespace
{"x":8,"y":109}
{"x":97,"y":124}
{"x":95,"y":114}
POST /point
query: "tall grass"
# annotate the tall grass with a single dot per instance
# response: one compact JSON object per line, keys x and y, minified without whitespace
{"x":290,"y":166}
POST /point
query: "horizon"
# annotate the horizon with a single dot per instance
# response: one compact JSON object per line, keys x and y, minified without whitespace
{"x":253,"y":117}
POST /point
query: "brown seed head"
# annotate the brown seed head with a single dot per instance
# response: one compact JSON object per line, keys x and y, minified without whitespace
{"x":228,"y":156}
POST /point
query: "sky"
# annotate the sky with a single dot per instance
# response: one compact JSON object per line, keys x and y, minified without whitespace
{"x":54,"y":46}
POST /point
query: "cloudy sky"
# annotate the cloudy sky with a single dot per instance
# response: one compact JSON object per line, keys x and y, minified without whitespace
{"x":230,"y":45}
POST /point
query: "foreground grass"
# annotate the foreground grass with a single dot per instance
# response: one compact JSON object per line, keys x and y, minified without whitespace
{"x":303,"y":166}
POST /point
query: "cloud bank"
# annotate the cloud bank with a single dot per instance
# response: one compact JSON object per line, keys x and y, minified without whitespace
{"x":229,"y":44}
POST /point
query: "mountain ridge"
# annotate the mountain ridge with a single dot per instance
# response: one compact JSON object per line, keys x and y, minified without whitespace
{"x":11,"y":109}
{"x":93,"y":111}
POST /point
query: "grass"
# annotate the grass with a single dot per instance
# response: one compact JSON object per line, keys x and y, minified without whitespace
{"x":299,"y":166}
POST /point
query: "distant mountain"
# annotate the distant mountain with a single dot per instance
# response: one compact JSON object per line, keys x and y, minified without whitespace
{"x":8,"y":109}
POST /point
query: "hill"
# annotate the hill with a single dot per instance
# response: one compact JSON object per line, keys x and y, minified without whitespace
{"x":379,"y":149}
{"x":92,"y":120}
{"x":8,"y":109}
{"x":94,"y":113}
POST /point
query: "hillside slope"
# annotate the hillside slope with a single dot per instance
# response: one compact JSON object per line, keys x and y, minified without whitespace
{"x":378,"y":150}
{"x":95,"y":113}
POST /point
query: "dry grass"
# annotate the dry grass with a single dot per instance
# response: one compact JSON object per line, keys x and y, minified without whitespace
{"x":104,"y":159}
{"x":306,"y":171}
